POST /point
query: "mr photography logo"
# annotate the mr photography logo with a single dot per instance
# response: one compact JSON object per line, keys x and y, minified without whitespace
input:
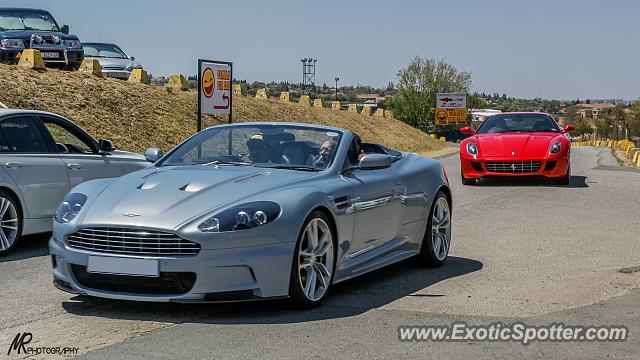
{"x":20,"y":342}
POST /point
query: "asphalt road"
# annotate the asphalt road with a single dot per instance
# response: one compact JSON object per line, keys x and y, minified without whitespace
{"x":522,"y":250}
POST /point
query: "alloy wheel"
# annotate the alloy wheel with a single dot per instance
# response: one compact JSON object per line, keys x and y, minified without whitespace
{"x":8,"y":223}
{"x":316,"y":259}
{"x":441,"y":228}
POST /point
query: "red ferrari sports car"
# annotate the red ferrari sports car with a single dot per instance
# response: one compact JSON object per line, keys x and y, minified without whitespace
{"x":516,"y":144}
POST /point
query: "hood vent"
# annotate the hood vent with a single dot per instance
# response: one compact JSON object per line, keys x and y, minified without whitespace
{"x":192,"y":187}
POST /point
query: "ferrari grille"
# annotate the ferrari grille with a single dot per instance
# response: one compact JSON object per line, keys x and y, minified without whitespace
{"x":131,"y":241}
{"x":513,"y":166}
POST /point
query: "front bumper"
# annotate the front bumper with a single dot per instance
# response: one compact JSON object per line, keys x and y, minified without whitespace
{"x":116,"y":74}
{"x":551,"y":167}
{"x":65,"y":57}
{"x":234,"y":274}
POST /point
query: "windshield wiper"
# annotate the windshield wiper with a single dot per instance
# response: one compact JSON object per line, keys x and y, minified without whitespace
{"x":236,"y":163}
{"x":292,"y":167}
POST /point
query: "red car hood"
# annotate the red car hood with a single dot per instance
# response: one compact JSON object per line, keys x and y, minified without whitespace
{"x":518,"y":144}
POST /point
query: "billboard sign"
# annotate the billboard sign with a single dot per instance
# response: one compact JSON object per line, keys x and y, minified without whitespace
{"x":214,"y":88}
{"x":451,"y":108}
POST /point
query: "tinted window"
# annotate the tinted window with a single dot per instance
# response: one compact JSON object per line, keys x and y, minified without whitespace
{"x":23,"y":135}
{"x":66,"y":141}
{"x":4,"y":144}
{"x":518,"y":123}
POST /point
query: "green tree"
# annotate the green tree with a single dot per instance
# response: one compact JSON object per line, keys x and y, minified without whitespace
{"x":418,"y":85}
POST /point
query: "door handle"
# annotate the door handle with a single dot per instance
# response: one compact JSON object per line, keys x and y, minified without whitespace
{"x":13,"y":165}
{"x":74,"y":166}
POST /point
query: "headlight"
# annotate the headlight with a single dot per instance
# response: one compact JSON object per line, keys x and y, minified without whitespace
{"x":11,"y":44}
{"x":55,"y":39}
{"x":555,"y":147}
{"x":241,"y":217}
{"x":472,"y":148}
{"x":37,"y":39}
{"x":73,"y":44}
{"x":70,"y":207}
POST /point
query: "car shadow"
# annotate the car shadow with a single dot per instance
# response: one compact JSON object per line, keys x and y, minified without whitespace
{"x":28,"y":247}
{"x":350,"y":298}
{"x":574,"y":182}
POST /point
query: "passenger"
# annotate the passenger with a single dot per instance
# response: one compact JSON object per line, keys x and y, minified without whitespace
{"x":325,"y":154}
{"x":259,"y":150}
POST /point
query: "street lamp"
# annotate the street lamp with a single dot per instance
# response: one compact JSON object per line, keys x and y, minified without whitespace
{"x":337,"y":78}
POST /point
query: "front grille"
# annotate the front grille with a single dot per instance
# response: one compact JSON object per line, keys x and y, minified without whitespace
{"x":166,"y":284}
{"x":513,"y":166}
{"x":113,"y":67}
{"x":131,"y":241}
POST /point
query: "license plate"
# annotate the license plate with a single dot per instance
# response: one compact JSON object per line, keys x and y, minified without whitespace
{"x":117,"y":74}
{"x":49,"y":55}
{"x":123,"y":266}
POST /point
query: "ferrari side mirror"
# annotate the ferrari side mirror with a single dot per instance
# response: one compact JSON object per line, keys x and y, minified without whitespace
{"x":467,"y":130}
{"x":568,"y":128}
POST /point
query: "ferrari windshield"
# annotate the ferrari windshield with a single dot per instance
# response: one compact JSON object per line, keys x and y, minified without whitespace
{"x":26,"y":20}
{"x":269,"y":145}
{"x":504,"y":123}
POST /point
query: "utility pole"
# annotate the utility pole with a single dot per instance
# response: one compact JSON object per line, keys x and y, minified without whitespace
{"x":337,"y":79}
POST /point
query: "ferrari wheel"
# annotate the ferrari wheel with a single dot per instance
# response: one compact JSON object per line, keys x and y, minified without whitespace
{"x":565,"y":179}
{"x":437,"y":237}
{"x":466,"y":181}
{"x":313,"y":262}
{"x":10,"y":222}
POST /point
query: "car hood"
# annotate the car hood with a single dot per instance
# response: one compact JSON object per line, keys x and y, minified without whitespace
{"x":166,"y":197}
{"x":126,"y":155}
{"x":112,"y":62}
{"x":518,"y":144}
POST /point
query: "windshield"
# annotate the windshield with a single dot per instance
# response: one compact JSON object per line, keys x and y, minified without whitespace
{"x":281,"y":146}
{"x":103,"y":50}
{"x":518,"y":123}
{"x":26,"y":20}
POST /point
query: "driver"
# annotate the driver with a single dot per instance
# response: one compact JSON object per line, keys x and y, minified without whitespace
{"x":259,"y":150}
{"x":325,"y":154}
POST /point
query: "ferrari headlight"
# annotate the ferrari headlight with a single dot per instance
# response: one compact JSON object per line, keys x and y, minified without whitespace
{"x":70,"y":207}
{"x":472,"y":148}
{"x":11,"y":44}
{"x":242,"y":217}
{"x":73,"y":44}
{"x":555,"y":147}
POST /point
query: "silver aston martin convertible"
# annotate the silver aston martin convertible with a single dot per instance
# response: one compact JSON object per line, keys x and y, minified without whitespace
{"x":252,"y":211}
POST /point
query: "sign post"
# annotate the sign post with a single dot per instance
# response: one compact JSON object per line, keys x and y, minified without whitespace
{"x":451,"y":108}
{"x":214,"y":89}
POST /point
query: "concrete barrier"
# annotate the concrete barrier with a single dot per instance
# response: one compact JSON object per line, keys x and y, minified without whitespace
{"x":139,"y":76}
{"x":433,"y":136}
{"x":634,"y":158}
{"x":178,"y":82}
{"x":262,"y":94}
{"x":305,"y":100}
{"x":379,"y":112}
{"x":442,"y":139}
{"x":353,"y":108}
{"x":318,"y":103}
{"x":285,"y":96}
{"x":91,"y":66}
{"x":335,"y":105}
{"x":31,"y":59}
{"x":366,"y":110}
{"x":388,"y":113}
{"x":237,"y":90}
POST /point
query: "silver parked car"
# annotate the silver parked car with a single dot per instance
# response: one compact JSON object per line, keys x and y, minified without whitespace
{"x":251,"y":211}
{"x":114,"y":62}
{"x":42,"y":156}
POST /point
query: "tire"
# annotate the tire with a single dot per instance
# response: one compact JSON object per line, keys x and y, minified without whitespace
{"x":565,"y":180}
{"x":432,"y":254}
{"x":466,"y":181}
{"x":313,"y":266}
{"x":10,"y":222}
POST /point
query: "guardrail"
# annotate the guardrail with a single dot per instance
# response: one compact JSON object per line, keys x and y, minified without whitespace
{"x":629,"y":148}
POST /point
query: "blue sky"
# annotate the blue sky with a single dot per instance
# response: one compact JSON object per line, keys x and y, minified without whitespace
{"x":552,"y":49}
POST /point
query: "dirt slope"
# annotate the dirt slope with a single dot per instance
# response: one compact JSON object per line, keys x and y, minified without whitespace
{"x":137,"y":116}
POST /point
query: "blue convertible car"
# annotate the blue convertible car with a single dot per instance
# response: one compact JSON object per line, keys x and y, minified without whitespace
{"x":251,"y":211}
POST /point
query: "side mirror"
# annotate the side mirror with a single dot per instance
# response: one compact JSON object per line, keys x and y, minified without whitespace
{"x":153,"y":154}
{"x":467,"y":130}
{"x":132,"y":58}
{"x":375,"y":161}
{"x":65,"y":29}
{"x":106,"y":146}
{"x":568,"y":128}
